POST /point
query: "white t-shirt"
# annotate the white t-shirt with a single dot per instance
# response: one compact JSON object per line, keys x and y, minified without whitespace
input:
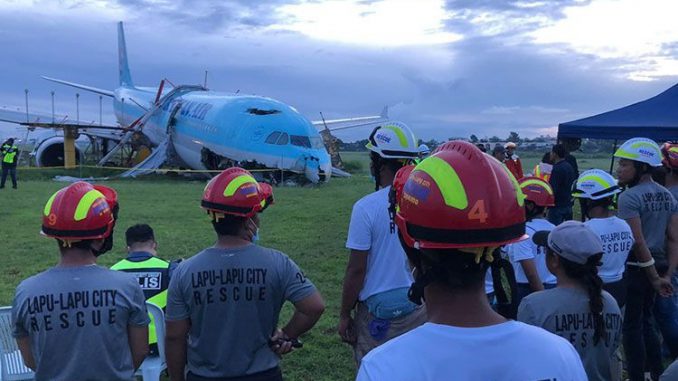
{"x":617,"y":242}
{"x":529,"y":250}
{"x":510,"y":351}
{"x":369,"y":230}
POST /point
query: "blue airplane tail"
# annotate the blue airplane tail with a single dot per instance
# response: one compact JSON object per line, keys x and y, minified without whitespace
{"x":123,"y":65}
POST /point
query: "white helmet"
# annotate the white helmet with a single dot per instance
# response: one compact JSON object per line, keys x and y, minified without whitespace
{"x":393,"y":140}
{"x":595,"y":184}
{"x":424,"y":150}
{"x":642,"y":150}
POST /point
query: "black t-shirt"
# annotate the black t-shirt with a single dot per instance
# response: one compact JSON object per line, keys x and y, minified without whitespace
{"x":562,"y":177}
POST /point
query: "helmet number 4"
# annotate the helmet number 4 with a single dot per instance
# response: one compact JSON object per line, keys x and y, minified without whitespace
{"x":478,"y":212}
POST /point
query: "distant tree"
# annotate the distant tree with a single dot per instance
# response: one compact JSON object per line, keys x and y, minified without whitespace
{"x":474,"y":139}
{"x":513,"y":137}
{"x":495,"y":139}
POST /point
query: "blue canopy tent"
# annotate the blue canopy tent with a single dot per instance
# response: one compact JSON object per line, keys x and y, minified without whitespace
{"x":655,"y":118}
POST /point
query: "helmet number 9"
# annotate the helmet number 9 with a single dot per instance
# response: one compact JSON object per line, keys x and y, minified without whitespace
{"x":478,"y":212}
{"x":52,"y":218}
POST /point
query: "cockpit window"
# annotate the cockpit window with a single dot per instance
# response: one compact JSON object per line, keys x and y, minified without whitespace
{"x":284,"y":139}
{"x":258,"y":111}
{"x":317,"y":142}
{"x":301,"y":141}
{"x":273,"y":137}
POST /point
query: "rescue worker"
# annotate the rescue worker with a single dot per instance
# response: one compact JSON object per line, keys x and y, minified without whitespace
{"x":528,"y":259}
{"x":512,"y":161}
{"x":573,"y":253}
{"x":374,"y":303}
{"x":77,"y":320}
{"x":597,"y":189}
{"x":424,"y":151}
{"x":151,"y":272}
{"x":9,"y":152}
{"x":666,"y":309}
{"x":223,"y":304}
{"x":544,"y":168}
{"x":561,"y":180}
{"x":652,"y":213}
{"x":456,"y":208}
{"x":499,"y":153}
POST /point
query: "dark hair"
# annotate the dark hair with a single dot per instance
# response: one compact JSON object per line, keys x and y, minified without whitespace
{"x":481,"y":147}
{"x":228,"y":224}
{"x":379,"y":162}
{"x":659,"y":175}
{"x":559,"y":150}
{"x":587,"y":274}
{"x":535,"y":212}
{"x":139,"y":233}
{"x":546,"y":158}
{"x":85,"y":244}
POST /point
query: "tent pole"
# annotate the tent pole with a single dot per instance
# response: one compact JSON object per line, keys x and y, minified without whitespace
{"x":613,"y":151}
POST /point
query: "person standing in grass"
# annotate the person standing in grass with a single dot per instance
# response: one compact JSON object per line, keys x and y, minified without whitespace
{"x":77,"y":320}
{"x":573,"y":254}
{"x":374,"y":303}
{"x":9,"y":154}
{"x":652,"y":213}
{"x":563,"y":175}
{"x":223,"y":304}
{"x":152,"y":273}
{"x":456,"y":207}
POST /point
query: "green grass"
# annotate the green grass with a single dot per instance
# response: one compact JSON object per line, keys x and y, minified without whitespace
{"x":309,"y":224}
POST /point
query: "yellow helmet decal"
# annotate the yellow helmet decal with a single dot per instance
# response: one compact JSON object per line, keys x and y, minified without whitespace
{"x":537,"y":182}
{"x":233,"y":186}
{"x":673,"y":149}
{"x":520,"y":197}
{"x":596,"y":179}
{"x":400,"y":134}
{"x":447,"y":180}
{"x":48,"y":206}
{"x":85,"y":204}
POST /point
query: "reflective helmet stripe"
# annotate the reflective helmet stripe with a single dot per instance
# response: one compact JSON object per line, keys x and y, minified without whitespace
{"x":673,"y":149}
{"x":400,"y":134}
{"x":85,"y":204}
{"x":596,"y":179}
{"x":48,"y":206}
{"x":520,"y":197}
{"x":541,"y":183}
{"x":233,"y":186}
{"x":447,"y":180}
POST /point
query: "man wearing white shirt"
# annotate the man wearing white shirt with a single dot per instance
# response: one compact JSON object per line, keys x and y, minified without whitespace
{"x":374,"y":306}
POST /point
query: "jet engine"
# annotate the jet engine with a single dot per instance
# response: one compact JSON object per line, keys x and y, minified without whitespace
{"x":50,"y":152}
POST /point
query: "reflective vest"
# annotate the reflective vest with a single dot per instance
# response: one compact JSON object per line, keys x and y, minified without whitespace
{"x":9,"y":153}
{"x":153,"y":276}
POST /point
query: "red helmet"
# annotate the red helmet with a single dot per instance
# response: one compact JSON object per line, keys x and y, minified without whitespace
{"x":460,"y":198}
{"x":537,"y":190}
{"x":234,"y":191}
{"x":670,"y":155}
{"x":78,"y":212}
{"x":400,"y":179}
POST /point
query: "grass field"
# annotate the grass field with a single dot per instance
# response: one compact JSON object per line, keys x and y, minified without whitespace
{"x":309,"y":224}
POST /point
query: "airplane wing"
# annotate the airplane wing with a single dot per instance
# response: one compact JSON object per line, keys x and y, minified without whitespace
{"x":107,"y":93}
{"x":39,"y":120}
{"x":346,"y":123}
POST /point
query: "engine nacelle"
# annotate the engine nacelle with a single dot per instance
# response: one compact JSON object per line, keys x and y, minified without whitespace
{"x":50,"y":152}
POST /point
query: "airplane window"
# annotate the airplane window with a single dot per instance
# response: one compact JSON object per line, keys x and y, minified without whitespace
{"x":284,"y":139}
{"x":273,"y":137}
{"x":317,"y":142}
{"x":258,"y":111}
{"x":301,"y":141}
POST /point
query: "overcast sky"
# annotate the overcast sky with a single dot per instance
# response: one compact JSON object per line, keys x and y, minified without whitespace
{"x":446,"y":68}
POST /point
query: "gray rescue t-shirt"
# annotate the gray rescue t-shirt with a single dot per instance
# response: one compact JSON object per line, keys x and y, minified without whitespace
{"x":565,"y":311}
{"x":76,"y":319}
{"x":655,"y":205}
{"x":233,"y":298}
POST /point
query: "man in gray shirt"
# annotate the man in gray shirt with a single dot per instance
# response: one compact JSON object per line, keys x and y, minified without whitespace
{"x":223,"y":303}
{"x":80,"y":321}
{"x":652,"y":213}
